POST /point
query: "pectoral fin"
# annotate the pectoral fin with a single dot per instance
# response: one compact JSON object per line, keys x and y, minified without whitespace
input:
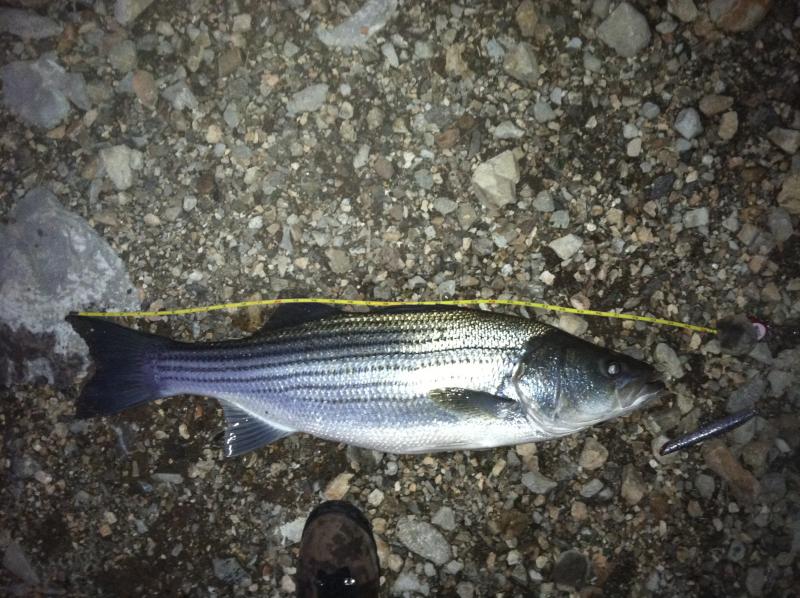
{"x":245,"y":432}
{"x":465,"y":402}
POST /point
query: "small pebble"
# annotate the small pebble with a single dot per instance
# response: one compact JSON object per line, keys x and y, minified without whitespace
{"x":593,"y":456}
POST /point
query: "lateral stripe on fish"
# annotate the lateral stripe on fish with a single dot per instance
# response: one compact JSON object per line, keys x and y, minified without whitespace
{"x":309,"y":360}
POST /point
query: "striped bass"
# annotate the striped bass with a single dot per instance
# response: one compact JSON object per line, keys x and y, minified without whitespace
{"x":401,"y":380}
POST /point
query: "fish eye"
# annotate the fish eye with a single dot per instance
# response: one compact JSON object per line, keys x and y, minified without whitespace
{"x":613,"y":368}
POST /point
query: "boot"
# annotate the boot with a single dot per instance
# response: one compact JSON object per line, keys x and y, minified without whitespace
{"x":338,"y":557}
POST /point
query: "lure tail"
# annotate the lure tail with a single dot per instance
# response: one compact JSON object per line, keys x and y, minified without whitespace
{"x":124,"y":362}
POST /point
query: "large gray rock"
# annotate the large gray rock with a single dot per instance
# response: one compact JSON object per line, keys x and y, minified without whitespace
{"x":625,"y":30}
{"x":27,"y":24}
{"x":789,"y":196}
{"x":421,"y":538}
{"x":495,"y":180}
{"x":566,"y":246}
{"x":125,"y":11}
{"x":53,"y":263}
{"x":537,"y":483}
{"x":16,"y":561}
{"x":786,"y":139}
{"x":180,"y":96}
{"x":39,"y":92}
{"x":667,"y":361}
{"x":780,"y":224}
{"x":520,"y":62}
{"x":230,"y":572}
{"x":363,"y":24}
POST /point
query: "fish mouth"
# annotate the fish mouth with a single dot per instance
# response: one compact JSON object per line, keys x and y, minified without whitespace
{"x":645,"y":392}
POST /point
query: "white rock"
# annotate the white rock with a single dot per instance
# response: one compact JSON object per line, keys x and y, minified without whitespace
{"x":543,"y":202}
{"x":126,"y":11}
{"x":685,"y":10}
{"x":494,"y":181}
{"x":728,"y":125}
{"x":629,"y":131}
{"x":242,"y":23}
{"x":780,"y":224}
{"x":667,"y":360}
{"x":408,"y":584}
{"x":507,"y":130}
{"x":592,"y":63}
{"x":390,"y":54}
{"x":445,"y":519}
{"x":593,"y":456}
{"x":444,"y":206}
{"x":520,"y":62}
{"x":649,"y":110}
{"x":119,"y":162}
{"x":213,"y":134}
{"x":465,"y":589}
{"x":634,"y":147}
{"x":688,"y":123}
{"x":357,"y":29}
{"x":573,"y":324}
{"x":309,"y":99}
{"x":625,"y":30}
{"x":542,"y":112}
{"x":789,"y":196}
{"x":339,"y":260}
{"x":361,"y":157}
{"x":695,"y":218}
{"x":375,"y":497}
{"x":189,"y":203}
{"x":566,"y":246}
{"x":292,"y":531}
{"x":786,"y":139}
{"x":180,"y":96}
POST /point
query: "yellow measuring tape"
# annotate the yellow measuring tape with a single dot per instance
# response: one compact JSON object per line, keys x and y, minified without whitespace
{"x":377,"y":303}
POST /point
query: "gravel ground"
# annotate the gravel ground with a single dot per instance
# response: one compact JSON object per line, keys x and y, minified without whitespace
{"x":647,"y":160}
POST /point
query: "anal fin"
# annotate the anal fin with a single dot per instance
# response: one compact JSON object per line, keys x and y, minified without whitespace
{"x":245,"y":432}
{"x":462,"y":401}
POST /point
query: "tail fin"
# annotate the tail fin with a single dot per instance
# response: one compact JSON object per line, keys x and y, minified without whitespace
{"x":123,"y":361}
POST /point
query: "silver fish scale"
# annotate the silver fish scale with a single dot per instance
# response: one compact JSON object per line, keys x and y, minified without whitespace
{"x":366,"y":379}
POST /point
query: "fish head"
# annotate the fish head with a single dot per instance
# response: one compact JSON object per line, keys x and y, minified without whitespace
{"x":571,"y":384}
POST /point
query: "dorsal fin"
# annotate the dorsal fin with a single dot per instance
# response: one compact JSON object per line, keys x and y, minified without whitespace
{"x":245,"y":432}
{"x":294,"y":314}
{"x":405,"y":309}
